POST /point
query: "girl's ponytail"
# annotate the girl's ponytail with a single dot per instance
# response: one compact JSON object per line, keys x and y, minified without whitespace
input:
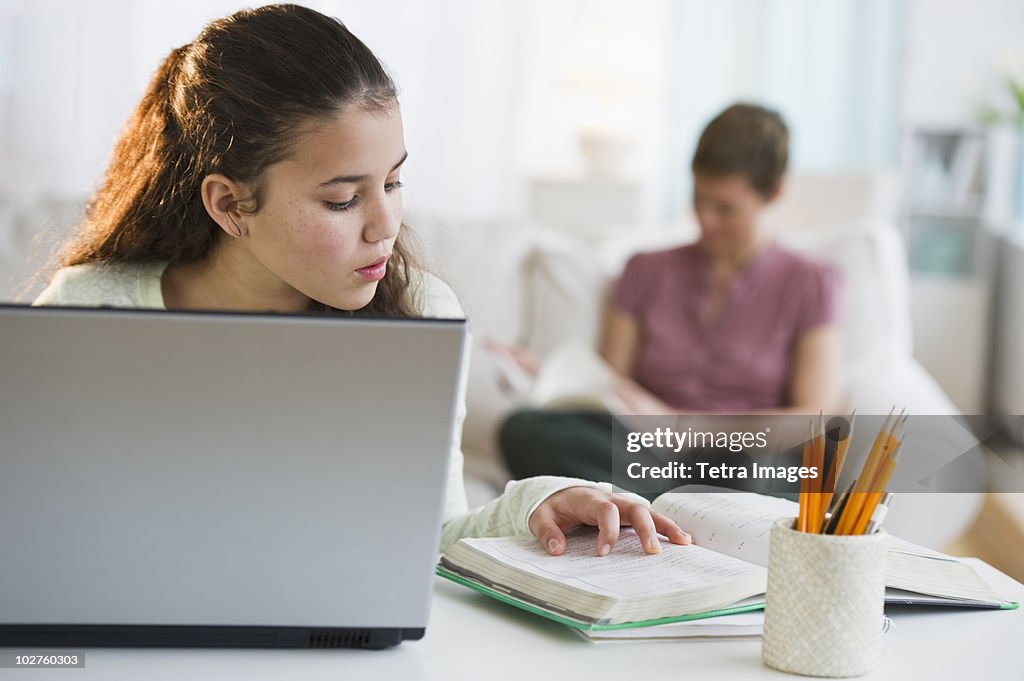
{"x":231,"y":102}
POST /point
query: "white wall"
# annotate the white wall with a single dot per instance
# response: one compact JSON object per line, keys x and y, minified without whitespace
{"x":954,"y":53}
{"x":1008,"y":367}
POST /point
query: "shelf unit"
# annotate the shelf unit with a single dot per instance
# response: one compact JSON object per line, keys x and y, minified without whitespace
{"x":951,"y":255}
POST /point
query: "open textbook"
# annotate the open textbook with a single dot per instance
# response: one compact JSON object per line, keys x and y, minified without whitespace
{"x":571,"y":376}
{"x":723,"y":573}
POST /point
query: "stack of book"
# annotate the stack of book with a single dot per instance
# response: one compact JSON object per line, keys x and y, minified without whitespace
{"x":714,"y":587}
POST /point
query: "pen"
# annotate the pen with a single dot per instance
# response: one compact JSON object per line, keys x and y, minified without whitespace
{"x":878,"y":515}
{"x":837,"y":508}
{"x":838,"y":446}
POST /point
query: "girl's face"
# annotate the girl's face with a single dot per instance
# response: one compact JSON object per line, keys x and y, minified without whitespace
{"x":727,"y":208}
{"x":331,"y":211}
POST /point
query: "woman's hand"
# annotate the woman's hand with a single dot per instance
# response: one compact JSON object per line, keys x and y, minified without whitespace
{"x":640,"y":401}
{"x":576,"y":506}
{"x":517,"y":354}
{"x":516,"y":367}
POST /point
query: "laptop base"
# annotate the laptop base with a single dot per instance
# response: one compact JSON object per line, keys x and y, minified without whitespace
{"x":155,"y":636}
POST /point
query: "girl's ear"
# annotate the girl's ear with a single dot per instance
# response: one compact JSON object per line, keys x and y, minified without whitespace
{"x":221,"y":196}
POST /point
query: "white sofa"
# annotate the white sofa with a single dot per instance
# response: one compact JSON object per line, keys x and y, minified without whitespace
{"x":535,"y":287}
{"x":526,"y":285}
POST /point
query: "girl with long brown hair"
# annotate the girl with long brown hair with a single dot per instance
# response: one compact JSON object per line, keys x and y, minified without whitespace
{"x":261,"y":171}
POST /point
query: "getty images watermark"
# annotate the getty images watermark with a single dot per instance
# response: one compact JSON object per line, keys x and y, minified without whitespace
{"x":946,"y":453}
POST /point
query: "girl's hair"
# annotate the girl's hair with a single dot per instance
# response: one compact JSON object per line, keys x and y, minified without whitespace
{"x":747,"y":140}
{"x":232,"y":102}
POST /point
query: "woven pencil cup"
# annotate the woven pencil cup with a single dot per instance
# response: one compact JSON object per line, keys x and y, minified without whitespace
{"x":824,"y":605}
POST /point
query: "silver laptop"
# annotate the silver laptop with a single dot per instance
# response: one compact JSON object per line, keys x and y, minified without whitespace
{"x":209,"y":479}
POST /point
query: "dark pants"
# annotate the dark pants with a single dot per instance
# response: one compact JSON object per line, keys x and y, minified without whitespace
{"x":581,"y":444}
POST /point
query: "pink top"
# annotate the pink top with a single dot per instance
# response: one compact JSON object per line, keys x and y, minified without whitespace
{"x":742,"y":361}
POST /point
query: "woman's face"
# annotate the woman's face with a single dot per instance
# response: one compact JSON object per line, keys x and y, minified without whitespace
{"x":727,"y":207}
{"x":331,"y":211}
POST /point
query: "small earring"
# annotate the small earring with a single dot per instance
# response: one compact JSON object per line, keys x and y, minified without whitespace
{"x":237,"y":231}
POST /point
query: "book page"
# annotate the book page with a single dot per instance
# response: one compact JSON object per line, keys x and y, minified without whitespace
{"x":737,"y":524}
{"x":574,"y":374}
{"x":626,"y":571}
{"x":897,"y":545}
{"x":937,"y":578}
{"x":745,"y":624}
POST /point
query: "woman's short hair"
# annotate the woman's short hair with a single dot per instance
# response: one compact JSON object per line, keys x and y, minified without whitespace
{"x":747,"y":140}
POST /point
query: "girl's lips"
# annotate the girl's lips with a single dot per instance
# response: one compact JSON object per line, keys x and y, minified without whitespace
{"x":374,"y":272}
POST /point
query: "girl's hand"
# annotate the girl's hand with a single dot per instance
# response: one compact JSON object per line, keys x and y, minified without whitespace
{"x":576,"y":506}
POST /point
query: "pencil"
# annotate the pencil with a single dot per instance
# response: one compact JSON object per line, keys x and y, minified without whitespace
{"x":801,"y":523}
{"x":867,"y":474}
{"x":878,"y":492}
{"x":844,"y":446}
{"x":817,"y":463}
{"x":872,"y":493}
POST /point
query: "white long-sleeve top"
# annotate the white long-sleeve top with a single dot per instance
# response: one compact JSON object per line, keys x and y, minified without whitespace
{"x":137,"y":285}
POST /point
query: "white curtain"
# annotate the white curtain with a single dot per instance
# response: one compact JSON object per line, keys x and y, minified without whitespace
{"x":491,"y":91}
{"x":70,"y":73}
{"x":831,"y":68}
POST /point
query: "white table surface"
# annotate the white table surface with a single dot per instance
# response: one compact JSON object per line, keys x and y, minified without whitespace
{"x":471,"y":636}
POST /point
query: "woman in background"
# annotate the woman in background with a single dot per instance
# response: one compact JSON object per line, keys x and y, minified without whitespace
{"x":261,"y":172}
{"x":731,"y":324}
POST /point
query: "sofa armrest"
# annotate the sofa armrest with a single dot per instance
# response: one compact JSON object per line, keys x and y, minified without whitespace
{"x":901,"y":382}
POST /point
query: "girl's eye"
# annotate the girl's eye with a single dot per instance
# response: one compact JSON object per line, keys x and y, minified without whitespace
{"x":347,"y":205}
{"x":351,"y":203}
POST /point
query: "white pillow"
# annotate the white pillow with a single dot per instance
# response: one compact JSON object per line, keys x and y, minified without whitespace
{"x":568,"y":280}
{"x":483,"y":263}
{"x":875,"y":302}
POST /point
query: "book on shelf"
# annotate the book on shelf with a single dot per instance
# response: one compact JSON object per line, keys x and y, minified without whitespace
{"x":723,"y":573}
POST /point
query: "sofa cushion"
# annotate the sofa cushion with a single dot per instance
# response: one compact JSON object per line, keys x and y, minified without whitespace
{"x":485,"y":266}
{"x":567,"y":281}
{"x":875,"y":302}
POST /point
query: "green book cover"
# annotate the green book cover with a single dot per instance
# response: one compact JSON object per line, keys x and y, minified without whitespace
{"x":570,"y":619}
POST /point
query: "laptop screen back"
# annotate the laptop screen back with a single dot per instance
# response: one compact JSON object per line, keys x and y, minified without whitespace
{"x":219,"y":470}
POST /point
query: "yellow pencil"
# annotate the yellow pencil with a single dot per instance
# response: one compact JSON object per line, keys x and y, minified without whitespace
{"x":820,"y":505}
{"x":873,"y":491}
{"x":877,"y":491}
{"x":844,"y":446}
{"x":814,"y":484}
{"x":871,"y":466}
{"x":801,"y":522}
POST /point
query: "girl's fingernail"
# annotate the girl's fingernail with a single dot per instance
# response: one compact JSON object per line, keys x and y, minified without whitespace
{"x":552,"y":545}
{"x":605,"y":548}
{"x":689,"y":539}
{"x":654,"y":545}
